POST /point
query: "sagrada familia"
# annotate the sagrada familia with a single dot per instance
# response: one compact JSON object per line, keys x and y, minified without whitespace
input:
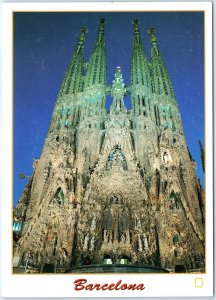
{"x":114,"y":190}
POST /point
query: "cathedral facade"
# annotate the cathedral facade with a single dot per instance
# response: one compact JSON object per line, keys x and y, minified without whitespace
{"x":115,"y":187}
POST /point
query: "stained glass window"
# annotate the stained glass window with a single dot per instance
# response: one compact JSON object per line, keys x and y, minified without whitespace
{"x":59,"y":197}
{"x":175,"y":239}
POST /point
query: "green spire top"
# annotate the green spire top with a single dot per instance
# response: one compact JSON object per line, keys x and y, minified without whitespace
{"x":73,"y":80}
{"x":135,"y":23}
{"x":140,"y":73}
{"x":102,"y":25}
{"x":83,"y":31}
{"x":153,"y":38}
{"x":101,"y":30}
{"x":161,"y":82}
{"x":96,"y":70}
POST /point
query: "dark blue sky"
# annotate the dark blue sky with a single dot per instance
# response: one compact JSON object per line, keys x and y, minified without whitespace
{"x":43,"y":46}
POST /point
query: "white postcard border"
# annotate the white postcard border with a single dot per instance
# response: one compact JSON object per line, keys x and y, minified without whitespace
{"x":156,"y":285}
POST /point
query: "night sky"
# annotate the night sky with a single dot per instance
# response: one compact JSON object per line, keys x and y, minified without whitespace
{"x":43,"y":46}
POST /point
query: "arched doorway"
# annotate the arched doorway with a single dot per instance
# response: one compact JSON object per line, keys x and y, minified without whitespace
{"x":107,"y":260}
{"x":124,"y":260}
{"x":48,"y":268}
{"x":180,"y":269}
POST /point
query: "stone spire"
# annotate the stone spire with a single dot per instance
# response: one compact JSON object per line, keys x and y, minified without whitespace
{"x":140,"y":73}
{"x":118,"y":92}
{"x":73,"y":79}
{"x":96,"y":68}
{"x":161,"y":82}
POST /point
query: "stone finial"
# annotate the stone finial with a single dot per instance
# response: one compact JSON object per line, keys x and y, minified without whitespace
{"x":153,"y":38}
{"x":83,"y":31}
{"x":137,"y":38}
{"x":118,"y":84}
{"x":118,"y":92}
{"x":136,"y":23}
{"x":102,"y":25}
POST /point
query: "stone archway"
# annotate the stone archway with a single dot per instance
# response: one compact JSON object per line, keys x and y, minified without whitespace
{"x":180,"y":269}
{"x":48,"y":268}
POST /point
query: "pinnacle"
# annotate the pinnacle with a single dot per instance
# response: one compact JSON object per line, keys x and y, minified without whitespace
{"x":153,"y":38}
{"x":151,"y":30}
{"x":118,"y":91}
{"x":83,"y":31}
{"x":102,"y":25}
{"x":136,"y":22}
{"x":118,"y":81}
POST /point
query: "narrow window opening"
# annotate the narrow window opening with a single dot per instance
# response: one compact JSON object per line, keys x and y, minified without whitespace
{"x":133,"y":142}
{"x":55,"y":244}
{"x":155,"y":111}
{"x":102,"y":141}
{"x":158,"y":115}
{"x":107,"y":260}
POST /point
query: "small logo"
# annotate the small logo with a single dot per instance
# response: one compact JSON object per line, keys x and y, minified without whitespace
{"x":198,"y":282}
